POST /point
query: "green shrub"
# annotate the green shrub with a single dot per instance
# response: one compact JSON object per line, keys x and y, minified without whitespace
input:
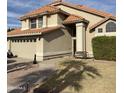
{"x":104,"y":47}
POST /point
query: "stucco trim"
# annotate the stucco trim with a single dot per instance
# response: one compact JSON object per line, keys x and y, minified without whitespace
{"x":52,"y":55}
{"x":56,"y":53}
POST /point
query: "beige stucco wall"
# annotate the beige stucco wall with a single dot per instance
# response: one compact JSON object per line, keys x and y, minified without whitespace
{"x":8,"y":44}
{"x":25,"y":24}
{"x":104,"y":33}
{"x":92,"y":20}
{"x":57,"y":42}
{"x":48,"y":21}
{"x":39,"y":48}
{"x":52,"y":20}
{"x":90,"y":17}
{"x":89,"y":37}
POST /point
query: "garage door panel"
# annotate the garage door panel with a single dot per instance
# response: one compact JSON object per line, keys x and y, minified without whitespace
{"x":24,"y":49}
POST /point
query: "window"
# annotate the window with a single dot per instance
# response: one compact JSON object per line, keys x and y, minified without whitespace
{"x":100,"y":30}
{"x":33,"y":23}
{"x":111,"y":27}
{"x":40,"y":22}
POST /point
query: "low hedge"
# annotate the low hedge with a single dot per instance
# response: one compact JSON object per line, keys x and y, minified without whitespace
{"x":104,"y":47}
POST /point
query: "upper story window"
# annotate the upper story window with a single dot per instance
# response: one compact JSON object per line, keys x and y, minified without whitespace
{"x":40,"y":22}
{"x":33,"y":23}
{"x":111,"y":27}
{"x":100,"y":30}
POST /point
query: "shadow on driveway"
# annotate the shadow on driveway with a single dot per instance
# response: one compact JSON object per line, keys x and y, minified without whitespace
{"x":18,"y":66}
{"x":72,"y":73}
{"x":16,"y":91}
{"x":31,"y":79}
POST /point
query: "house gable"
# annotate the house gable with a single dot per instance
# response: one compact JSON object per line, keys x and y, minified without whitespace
{"x":82,"y":8}
{"x":90,"y":17}
{"x":103,"y":27}
{"x":102,"y":22}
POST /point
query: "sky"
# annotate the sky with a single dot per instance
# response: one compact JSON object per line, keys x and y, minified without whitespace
{"x":17,"y":8}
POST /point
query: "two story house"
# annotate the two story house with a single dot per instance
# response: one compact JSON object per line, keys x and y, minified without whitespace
{"x":58,"y":29}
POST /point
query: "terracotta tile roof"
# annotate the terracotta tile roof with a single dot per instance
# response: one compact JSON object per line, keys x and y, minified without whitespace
{"x":94,"y":11}
{"x":101,"y":22}
{"x":19,"y":32}
{"x":84,"y":8}
{"x":44,"y":9}
{"x":72,"y":19}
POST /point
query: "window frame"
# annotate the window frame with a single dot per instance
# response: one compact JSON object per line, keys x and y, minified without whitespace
{"x":33,"y":23}
{"x":110,"y":27}
{"x":40,"y":22}
{"x":100,"y":29}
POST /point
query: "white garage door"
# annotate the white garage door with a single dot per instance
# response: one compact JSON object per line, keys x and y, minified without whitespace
{"x":24,"y":48}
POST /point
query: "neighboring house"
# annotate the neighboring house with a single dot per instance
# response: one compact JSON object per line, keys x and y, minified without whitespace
{"x":58,"y":29}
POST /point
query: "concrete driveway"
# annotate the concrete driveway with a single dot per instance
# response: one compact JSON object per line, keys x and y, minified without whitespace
{"x":22,"y":71}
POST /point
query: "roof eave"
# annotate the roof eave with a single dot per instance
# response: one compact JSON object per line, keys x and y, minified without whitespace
{"x":35,"y":15}
{"x":42,"y":14}
{"x":31,"y":34}
{"x":76,"y":21}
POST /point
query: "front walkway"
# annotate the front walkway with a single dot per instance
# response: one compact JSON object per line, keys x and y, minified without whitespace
{"x":21,"y":71}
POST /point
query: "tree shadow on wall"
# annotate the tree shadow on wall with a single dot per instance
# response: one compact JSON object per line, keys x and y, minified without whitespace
{"x":70,"y":75}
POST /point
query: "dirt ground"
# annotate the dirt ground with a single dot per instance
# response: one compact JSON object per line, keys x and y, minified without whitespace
{"x":21,"y":71}
{"x":104,"y":84}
